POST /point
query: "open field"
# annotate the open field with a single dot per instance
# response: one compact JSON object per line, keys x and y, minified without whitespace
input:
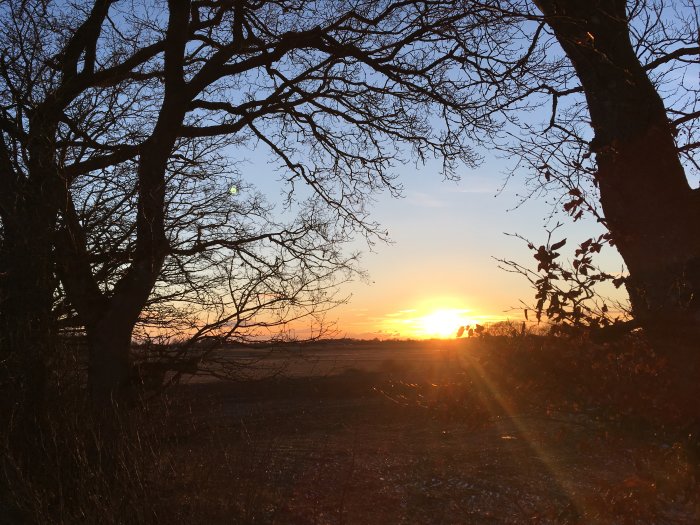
{"x":435,"y":432}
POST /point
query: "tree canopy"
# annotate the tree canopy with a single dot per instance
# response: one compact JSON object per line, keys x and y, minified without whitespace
{"x":117,"y":119}
{"x":121,"y":122}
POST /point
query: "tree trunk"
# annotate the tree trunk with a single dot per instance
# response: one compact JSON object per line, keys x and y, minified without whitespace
{"x":26,"y":297}
{"x":109,"y":371}
{"x":29,"y":208}
{"x":650,"y":209}
{"x":109,"y":321}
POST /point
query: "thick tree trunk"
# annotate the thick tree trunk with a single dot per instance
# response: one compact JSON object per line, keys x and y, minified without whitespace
{"x":109,"y":327}
{"x":29,"y":209}
{"x":650,"y":209}
{"x":110,"y":368}
{"x":109,"y":321}
{"x":26,"y":296}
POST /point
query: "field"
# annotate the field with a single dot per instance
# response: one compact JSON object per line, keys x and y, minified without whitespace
{"x":511,"y":430}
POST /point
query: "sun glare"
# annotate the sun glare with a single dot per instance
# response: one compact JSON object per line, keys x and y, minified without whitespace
{"x":442,"y":323}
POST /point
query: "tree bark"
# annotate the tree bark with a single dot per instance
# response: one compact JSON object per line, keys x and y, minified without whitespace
{"x":110,"y":367}
{"x":26,"y":296}
{"x":29,"y":208}
{"x":109,"y":320}
{"x":650,"y":209}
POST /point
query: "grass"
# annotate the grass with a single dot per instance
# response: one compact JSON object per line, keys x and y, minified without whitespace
{"x":498,"y":430}
{"x":73,"y":465}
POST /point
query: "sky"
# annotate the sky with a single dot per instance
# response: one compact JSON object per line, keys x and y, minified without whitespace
{"x":439,"y":271}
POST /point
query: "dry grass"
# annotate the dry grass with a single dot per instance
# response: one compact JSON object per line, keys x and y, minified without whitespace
{"x":73,"y":464}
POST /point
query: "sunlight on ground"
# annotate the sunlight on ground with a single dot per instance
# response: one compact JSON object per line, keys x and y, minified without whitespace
{"x":501,"y":404}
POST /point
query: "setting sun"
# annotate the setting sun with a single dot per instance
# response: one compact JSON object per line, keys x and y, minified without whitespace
{"x":435,"y":318}
{"x":442,"y":323}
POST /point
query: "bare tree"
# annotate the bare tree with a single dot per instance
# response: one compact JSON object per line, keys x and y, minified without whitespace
{"x":146,"y":93}
{"x":235,"y":271}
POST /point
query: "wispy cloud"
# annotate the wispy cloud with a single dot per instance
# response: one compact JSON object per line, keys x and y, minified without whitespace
{"x":425,"y":200}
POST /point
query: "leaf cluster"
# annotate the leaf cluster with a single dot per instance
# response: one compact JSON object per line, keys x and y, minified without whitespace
{"x":566,"y":293}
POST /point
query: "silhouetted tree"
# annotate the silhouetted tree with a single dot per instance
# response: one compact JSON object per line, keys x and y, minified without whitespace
{"x":621,"y":138}
{"x":626,"y":55}
{"x":620,"y":143}
{"x":147,"y":95}
{"x":234,"y":272}
{"x":142,"y":95}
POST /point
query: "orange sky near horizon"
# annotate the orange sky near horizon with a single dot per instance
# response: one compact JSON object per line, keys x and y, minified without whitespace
{"x":439,"y":268}
{"x":439,"y":272}
{"x":434,"y":319}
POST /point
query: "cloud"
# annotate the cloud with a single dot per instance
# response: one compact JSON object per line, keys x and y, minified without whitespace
{"x":425,"y":200}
